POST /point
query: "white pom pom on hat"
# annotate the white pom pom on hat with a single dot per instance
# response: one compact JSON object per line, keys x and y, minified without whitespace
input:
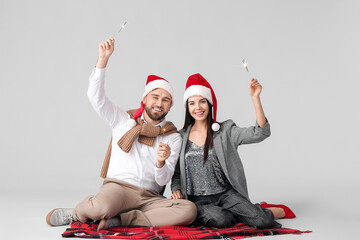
{"x":215,"y":127}
{"x":131,"y":123}
{"x":197,"y":85}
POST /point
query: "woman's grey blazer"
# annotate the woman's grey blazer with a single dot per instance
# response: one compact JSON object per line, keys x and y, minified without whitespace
{"x":226,"y":142}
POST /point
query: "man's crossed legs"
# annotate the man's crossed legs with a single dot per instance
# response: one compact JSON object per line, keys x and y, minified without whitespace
{"x":134,"y":206}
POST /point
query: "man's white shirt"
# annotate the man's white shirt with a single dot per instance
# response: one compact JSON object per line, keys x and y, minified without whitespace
{"x":136,"y":167}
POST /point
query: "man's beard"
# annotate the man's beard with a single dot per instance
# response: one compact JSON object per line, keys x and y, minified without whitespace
{"x":153,"y":117}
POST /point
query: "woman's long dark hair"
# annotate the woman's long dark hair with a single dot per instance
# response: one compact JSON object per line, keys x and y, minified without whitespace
{"x":189,"y":121}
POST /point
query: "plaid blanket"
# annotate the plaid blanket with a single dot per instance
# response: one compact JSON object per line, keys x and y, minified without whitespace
{"x":88,"y":230}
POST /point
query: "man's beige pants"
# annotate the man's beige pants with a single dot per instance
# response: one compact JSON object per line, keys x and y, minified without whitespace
{"x":135,"y":205}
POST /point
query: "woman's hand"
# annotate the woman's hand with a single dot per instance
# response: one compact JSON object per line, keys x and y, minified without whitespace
{"x":255,"y":88}
{"x":176,"y":195}
{"x":105,"y":50}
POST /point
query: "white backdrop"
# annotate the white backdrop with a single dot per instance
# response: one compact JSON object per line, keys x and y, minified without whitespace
{"x":303,"y":53}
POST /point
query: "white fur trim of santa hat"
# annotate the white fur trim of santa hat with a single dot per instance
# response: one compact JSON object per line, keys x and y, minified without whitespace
{"x":198,"y":90}
{"x":160,"y":83}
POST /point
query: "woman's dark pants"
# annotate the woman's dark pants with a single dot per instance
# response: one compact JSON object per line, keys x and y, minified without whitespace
{"x":229,"y":208}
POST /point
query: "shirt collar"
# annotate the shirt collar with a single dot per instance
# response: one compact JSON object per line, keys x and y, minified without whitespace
{"x":160,"y":124}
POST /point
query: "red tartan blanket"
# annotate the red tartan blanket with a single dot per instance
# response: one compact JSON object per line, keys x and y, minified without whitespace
{"x":88,"y":230}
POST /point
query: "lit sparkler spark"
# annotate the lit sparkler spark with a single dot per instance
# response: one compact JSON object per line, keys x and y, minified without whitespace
{"x":122,"y":26}
{"x":245,"y":65}
{"x":164,"y":130}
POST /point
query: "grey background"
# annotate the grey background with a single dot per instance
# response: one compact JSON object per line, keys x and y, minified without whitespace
{"x":304,"y":53}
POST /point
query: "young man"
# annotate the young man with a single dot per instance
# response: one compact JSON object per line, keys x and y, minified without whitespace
{"x":140,"y":160}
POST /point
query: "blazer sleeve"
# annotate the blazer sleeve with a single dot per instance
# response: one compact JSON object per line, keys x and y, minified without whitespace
{"x":247,"y":135}
{"x":175,"y":181}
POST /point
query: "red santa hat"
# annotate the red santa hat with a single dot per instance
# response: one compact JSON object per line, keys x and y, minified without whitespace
{"x":197,"y":85}
{"x":153,"y":82}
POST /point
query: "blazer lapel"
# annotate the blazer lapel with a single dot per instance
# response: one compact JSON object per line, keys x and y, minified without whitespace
{"x":220,"y":154}
{"x":182,"y":162}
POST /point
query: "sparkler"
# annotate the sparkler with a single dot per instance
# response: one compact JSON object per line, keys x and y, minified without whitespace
{"x":122,"y":27}
{"x":246,"y":67}
{"x":163,"y":131}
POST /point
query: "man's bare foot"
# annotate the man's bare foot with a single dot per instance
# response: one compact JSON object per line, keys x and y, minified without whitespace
{"x":102,"y":224}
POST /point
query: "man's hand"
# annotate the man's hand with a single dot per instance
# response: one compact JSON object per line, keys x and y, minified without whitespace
{"x":105,"y":50}
{"x":176,"y":195}
{"x":163,"y":153}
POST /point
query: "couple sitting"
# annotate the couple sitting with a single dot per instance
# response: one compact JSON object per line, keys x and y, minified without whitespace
{"x":146,"y":152}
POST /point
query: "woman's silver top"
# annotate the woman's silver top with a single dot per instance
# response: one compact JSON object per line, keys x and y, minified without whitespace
{"x":203,"y":178}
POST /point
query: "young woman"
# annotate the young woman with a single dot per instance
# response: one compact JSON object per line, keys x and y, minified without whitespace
{"x":209,"y":171}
